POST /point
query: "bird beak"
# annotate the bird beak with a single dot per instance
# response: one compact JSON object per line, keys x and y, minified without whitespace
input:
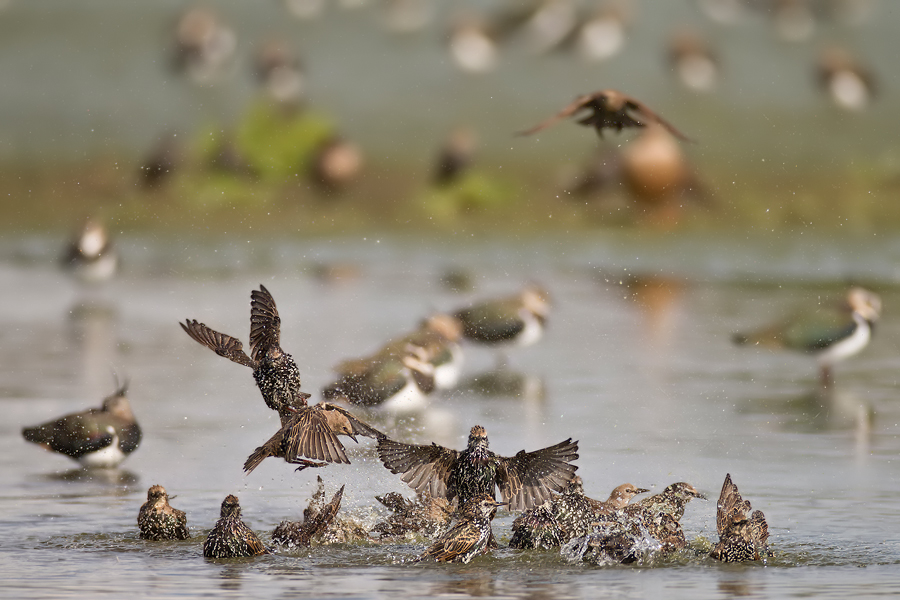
{"x":500,"y":503}
{"x":352,"y":436}
{"x":168,"y":497}
{"x":640,"y":490}
{"x":699,"y":495}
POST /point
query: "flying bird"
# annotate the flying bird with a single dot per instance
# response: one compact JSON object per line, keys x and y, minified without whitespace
{"x":609,"y":109}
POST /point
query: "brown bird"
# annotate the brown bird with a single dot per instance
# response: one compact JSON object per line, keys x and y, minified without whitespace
{"x":470,"y":536}
{"x":231,"y":538}
{"x":619,"y":498}
{"x":311,"y":431}
{"x":525,"y":480}
{"x":609,"y":109}
{"x":157,"y":520}
{"x":274,"y":370}
{"x":740,"y":538}
{"x":295,"y":534}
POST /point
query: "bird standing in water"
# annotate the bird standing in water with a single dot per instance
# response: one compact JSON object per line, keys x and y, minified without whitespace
{"x":231,"y":538}
{"x":609,"y":109}
{"x":157,"y":520}
{"x":470,"y":536}
{"x":525,"y":480}
{"x":99,"y":437}
{"x":274,"y":370}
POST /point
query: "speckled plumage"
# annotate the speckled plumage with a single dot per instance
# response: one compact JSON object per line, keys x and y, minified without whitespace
{"x":660,"y":515}
{"x":231,"y":538}
{"x":426,"y":515}
{"x":536,"y":529}
{"x":525,"y":480}
{"x":274,"y":370}
{"x":470,"y":536}
{"x":157,"y":520}
{"x":316,"y":521}
{"x":740,"y":538}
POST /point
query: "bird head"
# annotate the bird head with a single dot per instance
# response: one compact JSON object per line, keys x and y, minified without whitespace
{"x":478,"y":438}
{"x":230,"y":507}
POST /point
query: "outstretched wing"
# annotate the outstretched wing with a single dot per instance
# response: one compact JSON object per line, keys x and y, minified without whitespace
{"x":357,"y":427}
{"x":731,"y":508}
{"x":527,"y":478}
{"x":423,"y":468}
{"x":646,"y":114}
{"x":265,"y":324}
{"x":220,"y":343}
{"x":576,"y":105}
{"x":308,"y":434}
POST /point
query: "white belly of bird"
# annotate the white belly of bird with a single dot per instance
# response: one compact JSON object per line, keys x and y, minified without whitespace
{"x":409,"y":398}
{"x":446,"y":376}
{"x":106,"y":458}
{"x":848,"y":346}
{"x":532,"y":332}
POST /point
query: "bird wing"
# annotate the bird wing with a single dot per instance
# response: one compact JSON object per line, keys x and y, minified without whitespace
{"x":358,"y":427}
{"x":730,"y":508}
{"x":308,"y":434}
{"x":568,"y":111}
{"x":423,"y":468}
{"x":527,"y":478}
{"x":265,"y":324}
{"x":646,"y":114}
{"x":220,"y":343}
{"x":819,"y":330}
{"x":459,"y":540}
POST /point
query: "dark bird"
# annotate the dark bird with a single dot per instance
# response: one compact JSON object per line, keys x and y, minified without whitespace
{"x":740,"y":538}
{"x":830,"y":333}
{"x":157,"y":520}
{"x":660,"y":515}
{"x":470,"y":536}
{"x":91,"y":257}
{"x":298,"y":535}
{"x":518,"y":319}
{"x":274,"y":370}
{"x":99,"y":437}
{"x":426,"y":515}
{"x":311,"y":432}
{"x":231,"y":538}
{"x":609,"y":109}
{"x":525,"y":480}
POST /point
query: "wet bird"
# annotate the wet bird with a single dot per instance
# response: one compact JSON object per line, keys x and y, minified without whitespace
{"x":619,"y":497}
{"x":536,"y":529}
{"x":315,"y":523}
{"x":157,"y":520}
{"x":470,"y":536}
{"x":274,"y":370}
{"x":425,"y":515}
{"x":231,"y":538}
{"x":660,"y":515}
{"x":609,"y":109}
{"x":518,"y":319}
{"x":91,"y":256}
{"x":311,"y":432}
{"x":850,"y":85}
{"x":740,"y":538}
{"x":99,"y":437}
{"x":525,"y":480}
{"x":830,"y":333}
{"x":671,"y":500}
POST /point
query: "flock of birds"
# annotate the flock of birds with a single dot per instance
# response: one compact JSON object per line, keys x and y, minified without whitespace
{"x":456,"y":491}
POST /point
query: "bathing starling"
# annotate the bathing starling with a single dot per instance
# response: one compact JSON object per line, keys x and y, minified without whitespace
{"x":525,"y":480}
{"x":536,"y":529}
{"x":426,"y":515}
{"x":740,"y":538}
{"x":609,"y":109}
{"x":518,"y":319}
{"x":296,"y":534}
{"x":660,"y":515}
{"x":230,"y":538}
{"x":99,"y":437}
{"x":830,"y":333}
{"x":274,"y":370}
{"x":470,"y":536}
{"x":157,"y":520}
{"x":311,"y":432}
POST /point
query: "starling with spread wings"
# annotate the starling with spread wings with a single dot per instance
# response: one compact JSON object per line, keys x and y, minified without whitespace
{"x":609,"y":109}
{"x":274,"y":370}
{"x":740,"y":538}
{"x":525,"y":480}
{"x":311,"y":432}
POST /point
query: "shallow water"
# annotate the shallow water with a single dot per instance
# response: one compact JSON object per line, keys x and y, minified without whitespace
{"x":636,"y":364}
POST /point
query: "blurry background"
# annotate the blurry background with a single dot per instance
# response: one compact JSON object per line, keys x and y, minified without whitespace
{"x":229,"y":104}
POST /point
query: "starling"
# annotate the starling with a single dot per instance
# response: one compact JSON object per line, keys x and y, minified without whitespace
{"x":619,"y":497}
{"x":609,"y":109}
{"x":659,"y":515}
{"x":519,"y":319}
{"x":470,"y":536}
{"x":274,"y":370}
{"x":426,"y":515}
{"x":672,"y":500}
{"x":740,"y":538}
{"x":231,"y":538}
{"x":158,"y":520}
{"x":830,"y":333}
{"x":91,"y":256}
{"x":311,"y":432}
{"x":525,"y":480}
{"x":295,"y":534}
{"x":99,"y":437}
{"x":536,"y":529}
